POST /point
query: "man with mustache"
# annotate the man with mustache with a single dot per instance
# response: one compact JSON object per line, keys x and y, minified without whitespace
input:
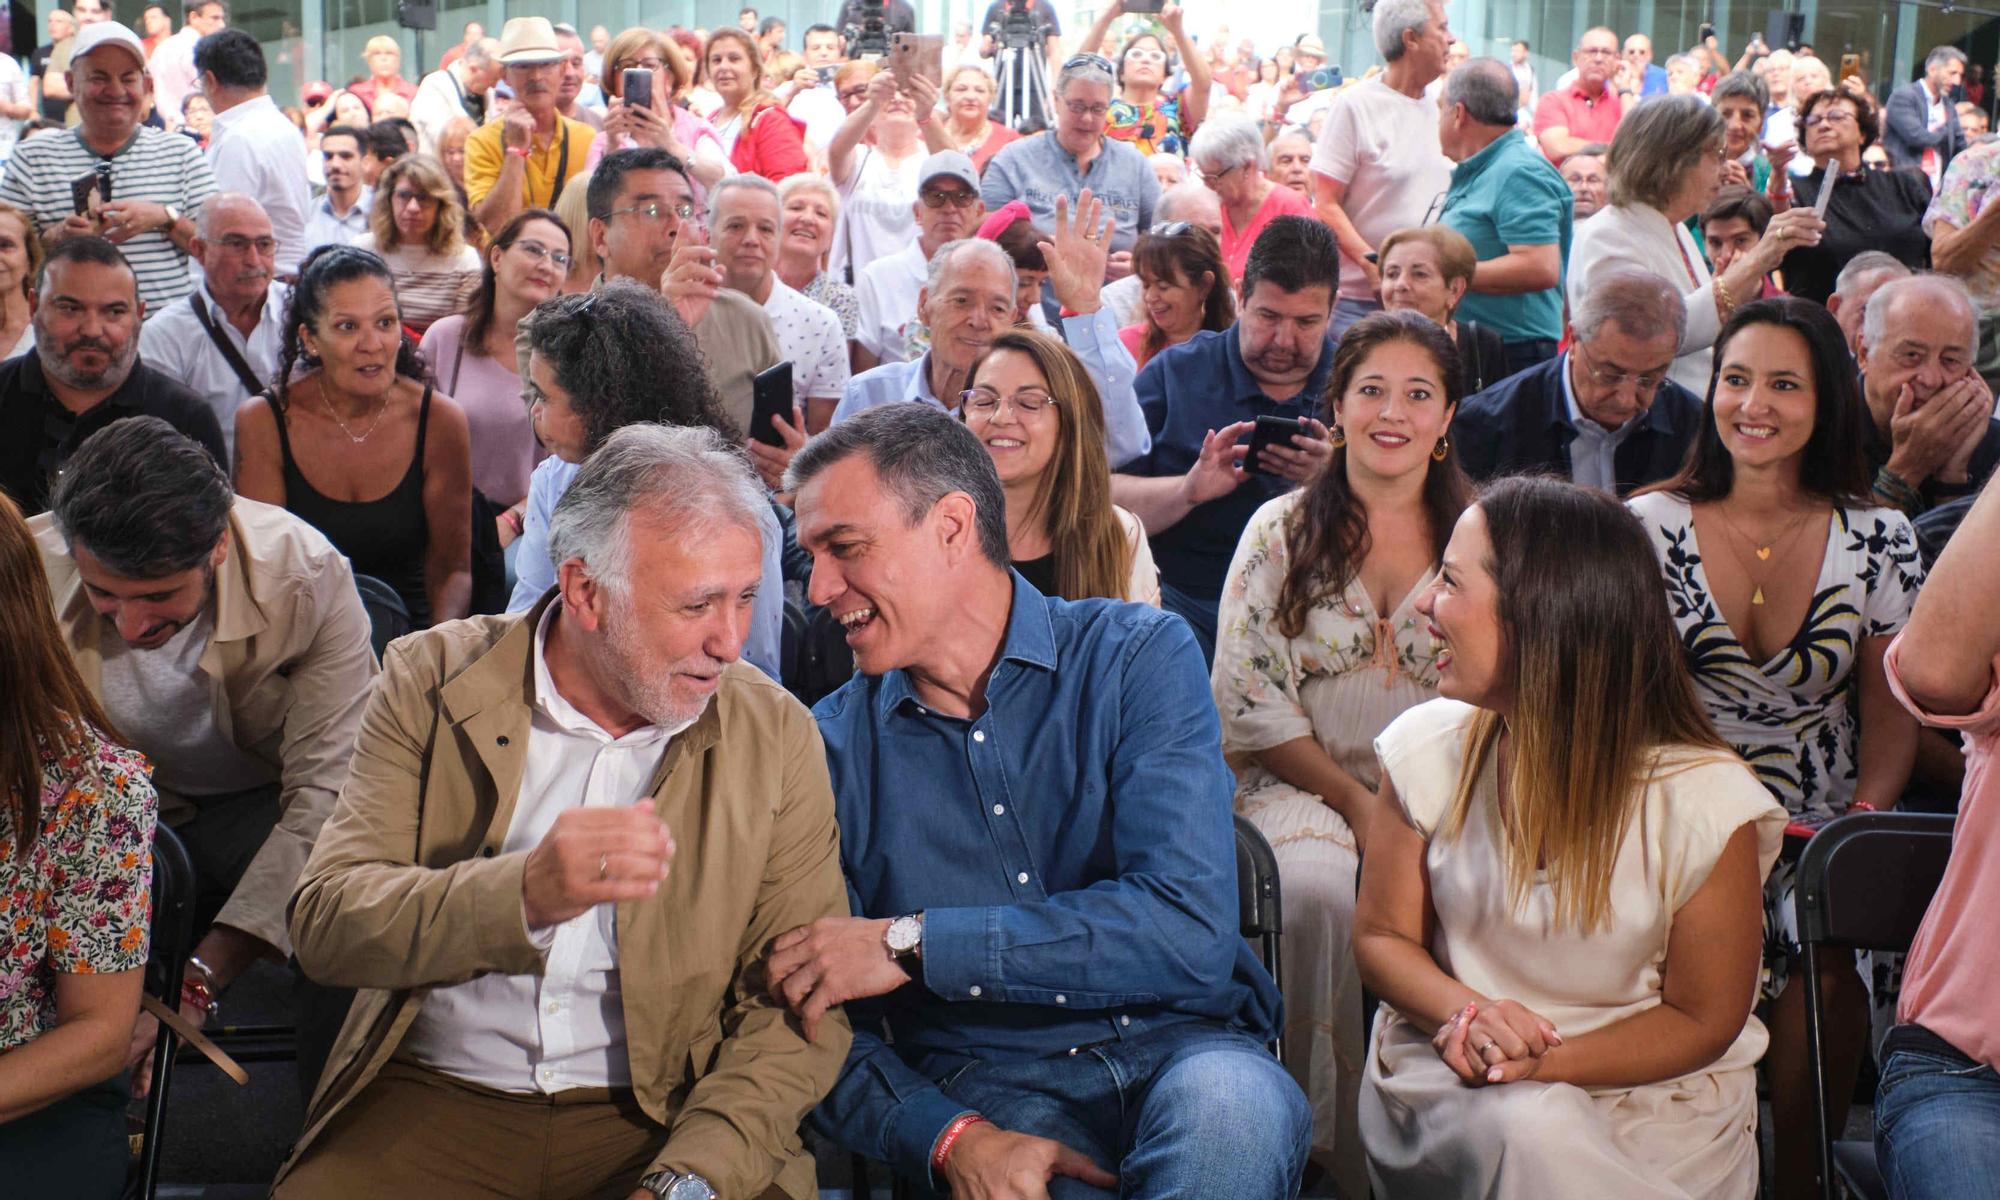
{"x":226,"y":641}
{"x":222,"y":340}
{"x":85,"y":372}
{"x":524,"y":159}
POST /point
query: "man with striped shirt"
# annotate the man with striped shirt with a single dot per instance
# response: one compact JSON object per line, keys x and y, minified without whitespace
{"x":158,"y":180}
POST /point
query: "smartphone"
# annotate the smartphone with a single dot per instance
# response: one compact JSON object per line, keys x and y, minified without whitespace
{"x":913,"y":54}
{"x":1850,"y":66}
{"x":99,"y":181}
{"x":635,"y":87}
{"x":1317,"y":80}
{"x":1270,"y":431}
{"x":826,"y":73}
{"x":1143,"y":6}
{"x":770,"y":396}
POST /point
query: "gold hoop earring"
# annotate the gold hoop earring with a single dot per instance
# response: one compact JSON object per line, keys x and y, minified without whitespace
{"x":1440,"y":450}
{"x":1338,"y":437}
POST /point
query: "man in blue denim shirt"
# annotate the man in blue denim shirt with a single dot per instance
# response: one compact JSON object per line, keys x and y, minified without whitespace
{"x":1201,"y":399}
{"x":1035,"y":830}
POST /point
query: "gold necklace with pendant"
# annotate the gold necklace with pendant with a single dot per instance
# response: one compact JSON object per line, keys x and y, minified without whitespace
{"x":1763,"y":551}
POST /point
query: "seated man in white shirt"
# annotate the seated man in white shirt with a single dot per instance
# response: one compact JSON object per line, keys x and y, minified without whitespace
{"x":222,"y":339}
{"x":743,"y":219}
{"x":340,"y":217}
{"x":947,"y":208}
{"x":968,"y":298}
{"x":255,"y":149}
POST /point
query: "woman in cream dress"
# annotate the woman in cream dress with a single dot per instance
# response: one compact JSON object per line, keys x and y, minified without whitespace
{"x":1561,"y":902}
{"x":1318,"y":647}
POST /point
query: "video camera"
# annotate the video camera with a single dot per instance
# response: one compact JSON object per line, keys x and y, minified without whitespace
{"x":1017,"y":28}
{"x":870,"y":36}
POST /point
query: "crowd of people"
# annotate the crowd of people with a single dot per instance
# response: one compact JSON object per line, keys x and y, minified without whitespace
{"x":1566,"y":500}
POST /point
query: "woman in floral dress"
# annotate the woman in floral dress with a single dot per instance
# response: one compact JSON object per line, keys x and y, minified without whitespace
{"x":76,"y":834}
{"x":1318,"y":648}
{"x":1142,"y":115}
{"x":1786,"y":584}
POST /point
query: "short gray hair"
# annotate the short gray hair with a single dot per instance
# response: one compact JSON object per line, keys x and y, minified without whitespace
{"x":948,"y":254}
{"x":1684,"y":60}
{"x":686,"y":478}
{"x":1228,"y":142}
{"x":1875,"y":318}
{"x":1178,"y":199}
{"x":1087,"y":72}
{"x":921,"y":454}
{"x":1488,"y":90}
{"x":1638,"y":302}
{"x":1656,"y":145}
{"x":1865,"y":264}
{"x":1941,"y":55}
{"x":806,"y":181}
{"x":1395,"y":17}
{"x":482,"y":52}
{"x":754,"y":182}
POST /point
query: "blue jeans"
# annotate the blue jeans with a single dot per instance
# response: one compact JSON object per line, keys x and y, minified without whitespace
{"x":1201,"y":616}
{"x":1195,"y":1110}
{"x":1347,"y":312}
{"x":1937,"y":1120}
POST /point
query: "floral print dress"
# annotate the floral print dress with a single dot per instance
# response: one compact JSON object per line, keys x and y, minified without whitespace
{"x":81,"y":902}
{"x":1349,"y":673}
{"x":1794,"y":717}
{"x":1148,"y":128}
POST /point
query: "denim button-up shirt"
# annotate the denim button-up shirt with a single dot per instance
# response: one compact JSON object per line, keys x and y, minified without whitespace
{"x":1035,"y":170}
{"x":1071,"y":850}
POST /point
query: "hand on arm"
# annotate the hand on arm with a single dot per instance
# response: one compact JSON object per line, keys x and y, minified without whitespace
{"x":831,"y":961}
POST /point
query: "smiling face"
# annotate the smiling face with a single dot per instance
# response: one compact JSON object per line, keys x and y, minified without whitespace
{"x":1461,"y":609}
{"x":147,"y":613}
{"x":1393,"y":412}
{"x":1741,"y":123}
{"x":808,"y":224}
{"x":111,"y":86}
{"x":1022,"y":443}
{"x":14,"y":235}
{"x":974,"y":302}
{"x":356,"y":337}
{"x":1413,"y":278}
{"x":525,"y":269}
{"x":1765,"y":399}
{"x":746,"y":237}
{"x":1173,"y":304}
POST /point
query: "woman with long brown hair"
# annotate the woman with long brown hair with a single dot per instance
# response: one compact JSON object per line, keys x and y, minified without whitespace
{"x":76,"y":868}
{"x":1318,"y":647}
{"x":1559,"y":901}
{"x":418,"y":227}
{"x":1184,"y":289}
{"x":1032,"y":404}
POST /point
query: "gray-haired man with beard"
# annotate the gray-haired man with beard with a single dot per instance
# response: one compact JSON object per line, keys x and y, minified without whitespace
{"x":85,"y":372}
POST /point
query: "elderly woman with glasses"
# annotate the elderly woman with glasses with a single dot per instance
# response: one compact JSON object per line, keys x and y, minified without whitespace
{"x":418,"y":227}
{"x":1230,"y":153}
{"x":1143,"y":116}
{"x":1664,"y":166}
{"x":1869,"y":210}
{"x":656,"y":120}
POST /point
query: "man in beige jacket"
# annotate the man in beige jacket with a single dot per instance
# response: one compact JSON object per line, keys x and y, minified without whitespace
{"x":225,"y":640}
{"x":567,"y":839}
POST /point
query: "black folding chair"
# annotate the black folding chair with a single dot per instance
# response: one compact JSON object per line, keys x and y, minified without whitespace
{"x":1260,"y":917}
{"x":172,"y":943}
{"x":388,"y":616}
{"x":1864,"y":883}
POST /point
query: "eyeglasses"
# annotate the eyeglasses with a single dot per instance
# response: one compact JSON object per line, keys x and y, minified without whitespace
{"x":1093,"y":111}
{"x":399,"y":196}
{"x":1145,"y":54}
{"x":541,"y":253}
{"x":986,"y":401}
{"x":1172,"y":229}
{"x":1086,"y":60}
{"x":655,"y":212}
{"x":237,"y":244}
{"x":1211,"y":178}
{"x":1436,"y":209}
{"x":939,"y":197}
{"x":1645,"y":384}
{"x":1836,"y":116}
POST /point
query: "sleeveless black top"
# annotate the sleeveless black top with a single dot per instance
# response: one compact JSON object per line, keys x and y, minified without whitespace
{"x":387,"y":537}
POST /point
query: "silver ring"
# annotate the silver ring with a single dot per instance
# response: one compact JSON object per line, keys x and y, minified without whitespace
{"x":1481,"y":1052}
{"x":604,"y":872}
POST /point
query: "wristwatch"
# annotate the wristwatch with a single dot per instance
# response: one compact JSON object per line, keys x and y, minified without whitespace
{"x":905,"y":937}
{"x":672,"y":1185}
{"x":173,"y":216}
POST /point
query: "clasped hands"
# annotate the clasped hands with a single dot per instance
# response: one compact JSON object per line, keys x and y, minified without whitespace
{"x":1497,"y":1041}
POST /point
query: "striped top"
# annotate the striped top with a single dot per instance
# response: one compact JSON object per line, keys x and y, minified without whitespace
{"x":164,"y":168}
{"x":429,"y":286}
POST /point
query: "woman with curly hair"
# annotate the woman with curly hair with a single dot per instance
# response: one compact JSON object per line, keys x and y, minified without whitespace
{"x":418,"y":227}
{"x":77,"y":810}
{"x":600,"y":361}
{"x":354,"y":442}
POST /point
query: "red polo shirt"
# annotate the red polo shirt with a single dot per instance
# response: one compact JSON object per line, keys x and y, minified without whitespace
{"x":1592,"y":118}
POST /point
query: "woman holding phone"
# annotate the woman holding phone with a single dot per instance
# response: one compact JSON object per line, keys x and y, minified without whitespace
{"x":655,"y":119}
{"x":1141,"y":115}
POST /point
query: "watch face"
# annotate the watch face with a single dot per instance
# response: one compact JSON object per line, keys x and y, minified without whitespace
{"x":691,"y":1187}
{"x":904,"y":934}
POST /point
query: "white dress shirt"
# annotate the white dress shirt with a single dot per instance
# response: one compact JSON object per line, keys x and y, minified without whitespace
{"x":564,"y":1028}
{"x":255,"y":149}
{"x":174,"y":76}
{"x":328,"y":228}
{"x":175,"y":344}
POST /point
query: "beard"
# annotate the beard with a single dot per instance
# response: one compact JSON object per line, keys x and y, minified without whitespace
{"x":641,"y":682}
{"x":56,"y":361}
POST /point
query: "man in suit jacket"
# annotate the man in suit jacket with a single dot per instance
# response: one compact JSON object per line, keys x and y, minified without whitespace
{"x":1920,"y":116}
{"x":1604,"y":414}
{"x":567,"y":838}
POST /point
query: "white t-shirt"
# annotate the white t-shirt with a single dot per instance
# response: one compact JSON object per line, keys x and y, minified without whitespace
{"x":14,"y":90}
{"x":1383,"y":146}
{"x":820,"y":109}
{"x":809,"y":336}
{"x":886,"y":292}
{"x":875,"y":201}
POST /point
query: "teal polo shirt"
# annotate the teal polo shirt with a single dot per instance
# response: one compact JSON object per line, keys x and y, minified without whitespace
{"x":1509,"y":195}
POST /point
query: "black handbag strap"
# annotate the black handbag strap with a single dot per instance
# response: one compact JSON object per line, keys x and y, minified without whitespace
{"x":230,"y":353}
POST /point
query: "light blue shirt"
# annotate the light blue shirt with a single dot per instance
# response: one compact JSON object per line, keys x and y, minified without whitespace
{"x":1094,"y":338}
{"x":1593,"y":452}
{"x":535,"y":574}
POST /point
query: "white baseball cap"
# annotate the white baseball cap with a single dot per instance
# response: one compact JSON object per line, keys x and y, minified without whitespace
{"x":107,"y":33}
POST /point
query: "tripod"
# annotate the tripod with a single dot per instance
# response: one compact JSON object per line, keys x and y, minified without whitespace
{"x":1024,"y":87}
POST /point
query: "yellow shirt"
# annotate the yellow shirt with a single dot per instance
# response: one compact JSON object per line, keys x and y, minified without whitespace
{"x":485,"y":154}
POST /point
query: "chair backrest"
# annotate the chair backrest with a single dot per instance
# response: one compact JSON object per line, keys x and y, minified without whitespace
{"x":388,"y":616}
{"x":1866,"y":879}
{"x":1256,"y":882}
{"x":173,"y":914}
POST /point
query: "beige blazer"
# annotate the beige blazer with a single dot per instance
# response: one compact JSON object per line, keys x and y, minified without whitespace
{"x":408,"y":890}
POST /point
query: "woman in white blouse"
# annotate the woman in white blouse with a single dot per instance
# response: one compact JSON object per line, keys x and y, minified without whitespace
{"x":1318,"y":647}
{"x":1664,"y":166}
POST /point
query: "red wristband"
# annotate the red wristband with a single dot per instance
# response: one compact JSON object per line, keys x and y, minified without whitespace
{"x":1862,"y":806}
{"x":950,"y":1136}
{"x":518,"y":151}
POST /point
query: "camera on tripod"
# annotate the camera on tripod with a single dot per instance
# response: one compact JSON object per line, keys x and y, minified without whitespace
{"x":1016,"y":29}
{"x":870,"y":36}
